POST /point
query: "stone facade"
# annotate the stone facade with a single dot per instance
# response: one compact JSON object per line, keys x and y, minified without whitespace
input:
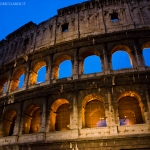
{"x":97,"y":27}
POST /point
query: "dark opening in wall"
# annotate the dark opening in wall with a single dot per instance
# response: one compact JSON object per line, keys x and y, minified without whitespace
{"x":26,"y":42}
{"x":65,"y":69}
{"x":92,"y":64}
{"x":21,"y":81}
{"x":41,"y":75}
{"x":146,"y":54}
{"x":12,"y":126}
{"x":114,"y":17}
{"x":5,"y":88}
{"x":65,"y":27}
{"x":62,"y":118}
{"x":121,"y":60}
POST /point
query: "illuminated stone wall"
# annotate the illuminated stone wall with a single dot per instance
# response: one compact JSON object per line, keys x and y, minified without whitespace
{"x":54,"y":114}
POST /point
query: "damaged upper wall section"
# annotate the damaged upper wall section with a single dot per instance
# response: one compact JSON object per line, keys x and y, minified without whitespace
{"x":103,"y":16}
{"x":89,"y":18}
{"x":17,"y":43}
{"x":45,"y":34}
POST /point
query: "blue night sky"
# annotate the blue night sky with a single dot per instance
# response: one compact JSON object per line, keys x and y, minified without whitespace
{"x":13,"y":17}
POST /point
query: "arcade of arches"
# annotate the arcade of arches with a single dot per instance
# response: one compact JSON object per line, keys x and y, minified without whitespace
{"x":93,"y":114}
{"x":104,"y":62}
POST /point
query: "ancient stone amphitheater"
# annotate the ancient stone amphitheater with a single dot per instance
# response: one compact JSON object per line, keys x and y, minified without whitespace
{"x":109,"y":110}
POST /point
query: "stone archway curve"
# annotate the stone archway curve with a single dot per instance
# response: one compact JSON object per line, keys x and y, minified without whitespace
{"x":53,"y":110}
{"x":123,"y":48}
{"x":87,"y":99}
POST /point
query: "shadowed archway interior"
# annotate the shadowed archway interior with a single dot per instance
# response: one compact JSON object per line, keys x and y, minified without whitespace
{"x":9,"y":122}
{"x":31,"y":123}
{"x":62,"y":117}
{"x":95,"y":114}
{"x":3,"y":82}
{"x":129,"y":111}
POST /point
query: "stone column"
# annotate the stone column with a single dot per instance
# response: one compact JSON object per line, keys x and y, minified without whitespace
{"x":27,"y":74}
{"x":75,"y":65}
{"x":49,"y":69}
{"x":17,"y":121}
{"x":106,"y":106}
{"x":109,"y":111}
{"x":116,"y":113}
{"x":21,"y":120}
{"x":74,"y":112}
{"x":81,"y":68}
{"x":47,"y":126}
{"x":43,"y":117}
{"x":134,"y":62}
{"x":79,"y":117}
{"x":139,"y":57}
{"x":9,"y":82}
{"x":110,"y":107}
{"x":106,"y":60}
{"x":113,"y":111}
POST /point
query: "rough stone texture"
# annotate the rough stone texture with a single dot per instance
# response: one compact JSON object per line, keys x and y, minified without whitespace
{"x":90,"y":32}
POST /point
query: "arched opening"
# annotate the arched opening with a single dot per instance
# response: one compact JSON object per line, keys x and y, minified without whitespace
{"x":31,"y":122}
{"x":129,"y":111}
{"x":62,"y":118}
{"x":17,"y":77}
{"x":91,"y":58}
{"x":95,"y":114}
{"x":60,"y":115}
{"x":3,"y":85}
{"x":21,"y":79}
{"x":41,"y":75}
{"x":38,"y":73}
{"x":5,"y":88}
{"x":62,"y":63}
{"x":93,"y":111}
{"x":65,"y":69}
{"x":92,"y":64}
{"x":121,"y":60}
{"x":146,"y":54}
{"x":9,"y":122}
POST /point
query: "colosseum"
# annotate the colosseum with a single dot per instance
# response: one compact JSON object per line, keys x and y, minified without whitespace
{"x":107,"y":110}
